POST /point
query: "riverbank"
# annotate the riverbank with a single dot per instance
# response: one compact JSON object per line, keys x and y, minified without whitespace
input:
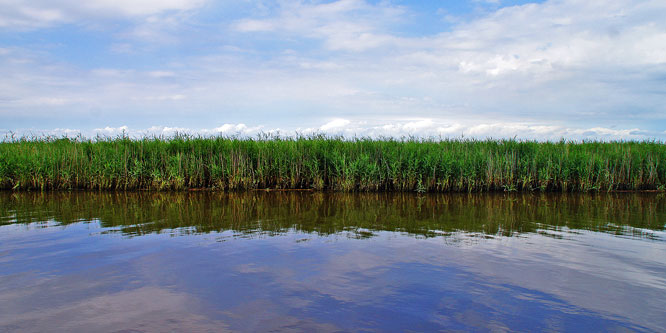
{"x":323,"y":163}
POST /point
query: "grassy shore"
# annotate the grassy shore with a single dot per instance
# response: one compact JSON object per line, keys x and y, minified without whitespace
{"x":324,"y":163}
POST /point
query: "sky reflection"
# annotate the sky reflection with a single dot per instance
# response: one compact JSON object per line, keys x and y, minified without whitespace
{"x":76,"y":276}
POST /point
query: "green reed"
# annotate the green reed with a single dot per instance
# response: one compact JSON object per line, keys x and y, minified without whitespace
{"x":330,"y":163}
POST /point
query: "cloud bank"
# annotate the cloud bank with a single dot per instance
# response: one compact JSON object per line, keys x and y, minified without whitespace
{"x":418,"y":128}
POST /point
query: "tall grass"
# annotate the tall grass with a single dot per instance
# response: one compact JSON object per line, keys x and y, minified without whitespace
{"x":325,"y":163}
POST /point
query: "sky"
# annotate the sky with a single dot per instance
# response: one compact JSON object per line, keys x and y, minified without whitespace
{"x":544,"y":70}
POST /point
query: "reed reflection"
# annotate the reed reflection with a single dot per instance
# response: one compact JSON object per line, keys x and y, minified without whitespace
{"x":357,"y":215}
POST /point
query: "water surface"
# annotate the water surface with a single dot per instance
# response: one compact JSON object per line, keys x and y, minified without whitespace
{"x":293,"y":261}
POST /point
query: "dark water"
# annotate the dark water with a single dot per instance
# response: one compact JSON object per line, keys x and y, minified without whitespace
{"x":291,"y":261}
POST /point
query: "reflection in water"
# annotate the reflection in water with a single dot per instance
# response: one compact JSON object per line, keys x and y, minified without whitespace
{"x":330,"y":213}
{"x":299,"y":261}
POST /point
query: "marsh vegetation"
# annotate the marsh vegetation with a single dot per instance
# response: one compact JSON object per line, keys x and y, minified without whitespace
{"x":330,"y":163}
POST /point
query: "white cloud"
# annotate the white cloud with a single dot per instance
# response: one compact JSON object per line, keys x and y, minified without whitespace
{"x":350,"y":25}
{"x":161,"y":74}
{"x":334,"y":124}
{"x":111,"y":131}
{"x":140,"y":7}
{"x":254,"y":25}
{"x":569,"y":56}
{"x":232,"y":129}
{"x":24,"y":14}
{"x":418,"y":125}
{"x":558,"y":35}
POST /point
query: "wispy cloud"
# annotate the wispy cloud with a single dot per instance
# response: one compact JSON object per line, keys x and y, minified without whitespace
{"x":23,"y":14}
{"x":351,"y":25}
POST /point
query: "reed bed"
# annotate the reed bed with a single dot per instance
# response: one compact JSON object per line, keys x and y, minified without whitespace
{"x":330,"y":163}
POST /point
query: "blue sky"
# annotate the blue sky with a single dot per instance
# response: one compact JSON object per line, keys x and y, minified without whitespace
{"x":535,"y":70}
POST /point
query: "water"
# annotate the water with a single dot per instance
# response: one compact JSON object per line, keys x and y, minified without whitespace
{"x":298,"y":261}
